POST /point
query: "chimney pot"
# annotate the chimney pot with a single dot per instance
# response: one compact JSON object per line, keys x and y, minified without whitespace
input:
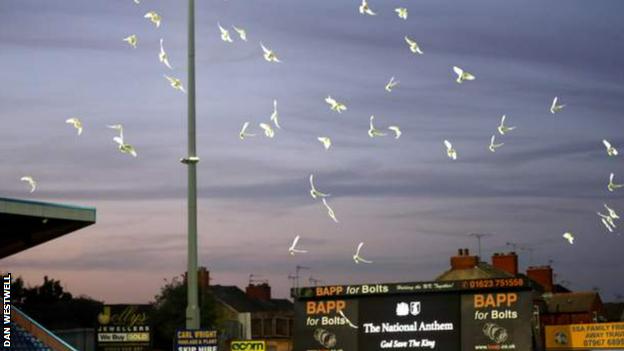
{"x":259,"y":291}
{"x":542,"y":275}
{"x":506,"y":262}
{"x":463,"y":260}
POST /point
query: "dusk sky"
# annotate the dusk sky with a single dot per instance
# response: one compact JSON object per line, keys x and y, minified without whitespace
{"x":411,"y":204}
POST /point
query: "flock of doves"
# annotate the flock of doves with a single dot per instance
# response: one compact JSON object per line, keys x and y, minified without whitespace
{"x":608,"y":219}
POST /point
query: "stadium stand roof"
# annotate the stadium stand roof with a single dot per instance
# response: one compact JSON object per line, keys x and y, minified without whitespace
{"x":25,"y":224}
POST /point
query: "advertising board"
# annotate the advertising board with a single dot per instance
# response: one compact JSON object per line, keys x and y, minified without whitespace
{"x":426,"y":322}
{"x":409,"y":288}
{"x":496,"y":321}
{"x":247,"y":345}
{"x":598,"y":336}
{"x":123,"y":328}
{"x":483,"y":314}
{"x":196,"y":340}
{"x":323,"y":326}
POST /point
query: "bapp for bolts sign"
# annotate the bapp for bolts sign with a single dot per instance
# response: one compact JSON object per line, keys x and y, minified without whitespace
{"x":427,"y":322}
{"x":496,"y":321}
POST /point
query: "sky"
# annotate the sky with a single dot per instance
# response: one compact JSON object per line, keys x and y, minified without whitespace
{"x":410,"y":204}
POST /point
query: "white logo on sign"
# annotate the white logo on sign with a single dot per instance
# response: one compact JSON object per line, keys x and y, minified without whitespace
{"x":415,"y":308}
{"x":402,"y":309}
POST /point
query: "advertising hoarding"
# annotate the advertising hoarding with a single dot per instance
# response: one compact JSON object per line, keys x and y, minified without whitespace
{"x":409,"y":288}
{"x":425,"y":322}
{"x":123,"y":328}
{"x":196,"y":340}
{"x":323,"y":327}
{"x":247,"y":345}
{"x":598,"y":336}
{"x":496,"y":321}
{"x":482,"y":314}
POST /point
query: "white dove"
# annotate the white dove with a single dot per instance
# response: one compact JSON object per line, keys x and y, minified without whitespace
{"x":162,"y":55}
{"x":126,"y":148}
{"x":396,"y":130}
{"x":335,"y":105}
{"x":292,"y":251}
{"x":243,"y":132}
{"x":607,"y":221}
{"x":326,"y":141}
{"x":225,"y":34}
{"x":611,"y":151}
{"x":137,"y":1}
{"x":31,"y":182}
{"x":401,"y":12}
{"x":413,"y":46}
{"x":175,"y":83}
{"x":121,"y":144}
{"x":494,"y":146}
{"x":275,"y":115}
{"x":119,"y":128}
{"x":554,"y":108}
{"x":154,"y":17}
{"x":372,"y":131}
{"x":241,"y":33}
{"x":269,"y":55}
{"x":76,"y":123}
{"x":612,"y":212}
{"x":330,"y":211}
{"x":462,"y":75}
{"x":347,"y":320}
{"x":569,"y":237}
{"x":450,"y":152}
{"x":502,"y":129}
{"x":391,"y":84}
{"x":268,"y":131}
{"x":313,"y":192}
{"x":357,"y":258}
{"x":364,"y":9}
{"x":612,"y":186}
{"x":132,"y":40}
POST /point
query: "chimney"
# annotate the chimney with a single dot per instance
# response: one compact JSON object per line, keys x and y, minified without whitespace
{"x":542,"y":275}
{"x":463,"y":260}
{"x":203,"y":277}
{"x":507,"y":262}
{"x":259,"y":291}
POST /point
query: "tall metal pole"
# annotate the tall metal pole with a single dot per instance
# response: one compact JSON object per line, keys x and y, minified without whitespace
{"x":192,"y":308}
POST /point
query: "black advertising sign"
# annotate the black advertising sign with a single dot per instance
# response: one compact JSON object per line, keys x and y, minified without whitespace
{"x":326,"y":325}
{"x":471,"y":315}
{"x":496,"y":321}
{"x":419,"y":322}
{"x":123,"y":328}
{"x":409,"y":288}
{"x":196,"y":340}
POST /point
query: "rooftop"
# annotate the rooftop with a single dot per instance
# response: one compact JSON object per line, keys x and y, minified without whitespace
{"x":241,"y":302}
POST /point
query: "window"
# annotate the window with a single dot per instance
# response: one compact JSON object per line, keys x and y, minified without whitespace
{"x":256,"y":328}
{"x":281,"y":326}
{"x":267,"y":327}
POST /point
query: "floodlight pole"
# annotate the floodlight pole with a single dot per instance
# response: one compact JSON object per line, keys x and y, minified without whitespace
{"x":192,"y":308}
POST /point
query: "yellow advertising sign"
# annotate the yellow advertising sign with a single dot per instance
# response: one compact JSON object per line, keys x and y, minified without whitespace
{"x":603,"y":336}
{"x":248,"y":345}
